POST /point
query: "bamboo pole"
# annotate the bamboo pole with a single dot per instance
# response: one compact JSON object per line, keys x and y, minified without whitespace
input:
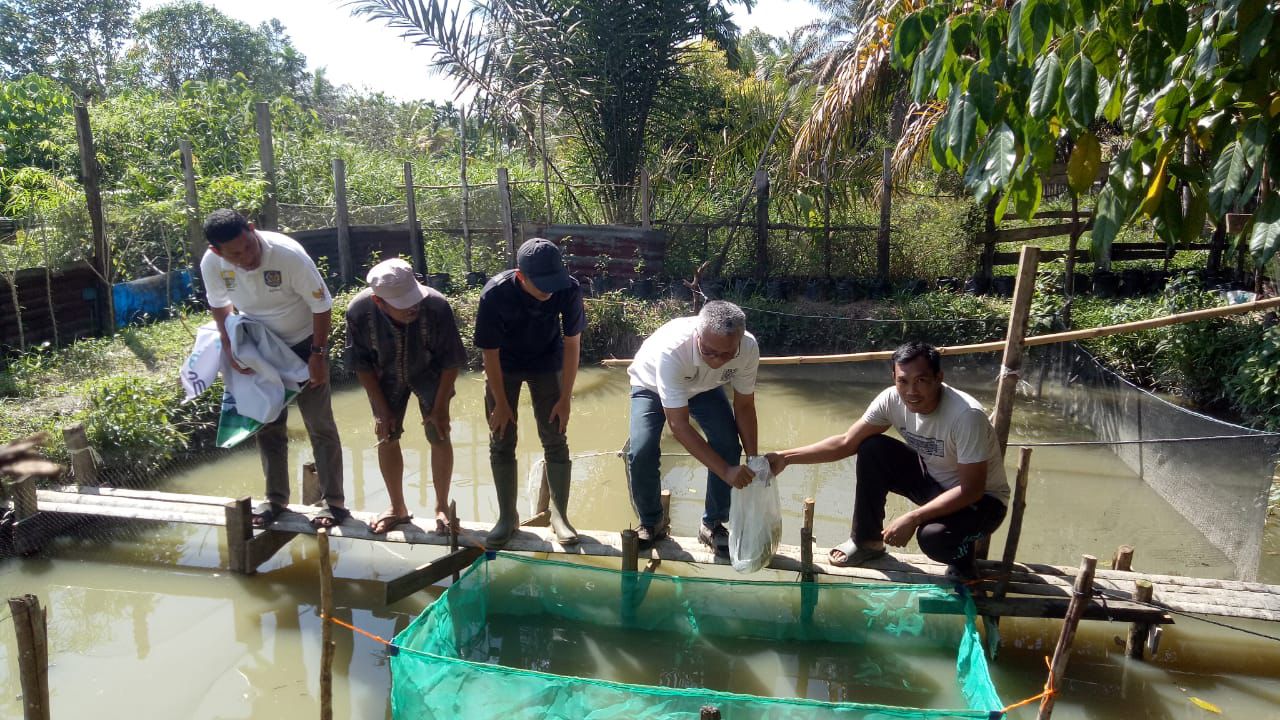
{"x":646,"y":222}
{"x":1136,"y":641}
{"x":504,"y":207}
{"x":416,"y":251}
{"x":1014,"y":344}
{"x":762,"y":223}
{"x":806,"y":542}
{"x":1123,"y":559}
{"x":665,"y":500}
{"x":30,"y":626}
{"x":343,"y":221}
{"x":1033,"y":341}
{"x":453,"y":531}
{"x":886,"y":215}
{"x":466,"y":194}
{"x":1017,"y":508}
{"x":630,"y":551}
{"x":326,"y":627}
{"x":1080,"y":596}
{"x":546,"y":174}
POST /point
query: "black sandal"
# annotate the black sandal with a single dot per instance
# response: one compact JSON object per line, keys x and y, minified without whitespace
{"x":266,"y":513}
{"x":330,"y":517}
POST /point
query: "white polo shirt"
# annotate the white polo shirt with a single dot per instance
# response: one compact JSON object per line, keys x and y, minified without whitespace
{"x":282,"y":293}
{"x":669,"y":364}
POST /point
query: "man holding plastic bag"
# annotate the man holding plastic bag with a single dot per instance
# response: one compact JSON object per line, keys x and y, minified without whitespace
{"x":679,"y":373}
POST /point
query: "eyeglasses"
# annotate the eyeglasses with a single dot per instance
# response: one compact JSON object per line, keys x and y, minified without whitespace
{"x":714,"y":354}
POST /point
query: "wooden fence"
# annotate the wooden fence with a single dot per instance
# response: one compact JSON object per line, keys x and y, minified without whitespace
{"x":56,"y":306}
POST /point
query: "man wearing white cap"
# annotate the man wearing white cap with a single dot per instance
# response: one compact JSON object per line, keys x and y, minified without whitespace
{"x":402,"y":339}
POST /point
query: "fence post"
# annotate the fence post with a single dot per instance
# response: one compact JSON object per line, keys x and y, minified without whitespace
{"x":466,"y":194}
{"x":84,"y":464}
{"x":1080,"y":596}
{"x":342,"y":220}
{"x":93,"y":200}
{"x":195,"y":233}
{"x":1007,"y":385}
{"x":416,"y":250}
{"x":269,"y":218}
{"x":31,"y":627}
{"x":886,"y":214}
{"x":504,"y":203}
{"x":546,"y":161}
{"x":826,"y":222}
{"x":762,"y":223}
{"x":646,"y":219}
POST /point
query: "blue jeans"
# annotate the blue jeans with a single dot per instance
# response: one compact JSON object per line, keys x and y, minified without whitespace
{"x":714,"y":415}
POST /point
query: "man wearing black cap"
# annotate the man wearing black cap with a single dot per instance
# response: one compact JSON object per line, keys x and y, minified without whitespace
{"x":529,"y":328}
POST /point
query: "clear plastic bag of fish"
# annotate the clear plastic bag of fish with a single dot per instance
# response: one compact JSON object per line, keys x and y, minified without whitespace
{"x":755,"y":519}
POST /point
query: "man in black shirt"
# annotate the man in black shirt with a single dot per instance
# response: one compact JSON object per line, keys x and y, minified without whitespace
{"x":529,"y":328}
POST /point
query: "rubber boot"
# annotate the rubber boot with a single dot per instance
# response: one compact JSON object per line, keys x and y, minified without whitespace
{"x":558,"y":477}
{"x":504,"y":481}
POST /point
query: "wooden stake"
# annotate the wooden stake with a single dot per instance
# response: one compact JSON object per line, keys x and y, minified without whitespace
{"x":1018,"y":507}
{"x":416,"y":251}
{"x":886,"y":215}
{"x":195,"y":232}
{"x":30,"y":626}
{"x":762,"y":223}
{"x":646,"y":222}
{"x":269,"y":218}
{"x":664,"y":498}
{"x":89,"y":175}
{"x":546,"y":160}
{"x":630,"y":551}
{"x":23,"y":492}
{"x":311,"y":493}
{"x":1081,"y":594}
{"x":83,"y":465}
{"x":709,"y":712}
{"x":1007,"y":385}
{"x":342,"y":219}
{"x":466,"y":196}
{"x":1136,"y":642}
{"x":239,"y":524}
{"x":504,"y":206}
{"x":453,"y":531}
{"x":326,"y":627}
{"x":806,"y":542}
{"x":1123,"y":559}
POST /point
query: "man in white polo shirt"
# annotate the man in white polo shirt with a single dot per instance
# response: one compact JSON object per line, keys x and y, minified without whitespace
{"x":948,"y":463}
{"x":679,"y":372}
{"x":268,"y":277}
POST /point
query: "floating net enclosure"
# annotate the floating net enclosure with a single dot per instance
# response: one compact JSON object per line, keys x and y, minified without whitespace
{"x":523,"y":638}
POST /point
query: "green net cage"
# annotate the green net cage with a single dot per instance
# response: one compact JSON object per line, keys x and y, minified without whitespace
{"x":518,"y":637}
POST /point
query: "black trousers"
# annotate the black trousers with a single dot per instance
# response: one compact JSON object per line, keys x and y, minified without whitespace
{"x":886,"y":465}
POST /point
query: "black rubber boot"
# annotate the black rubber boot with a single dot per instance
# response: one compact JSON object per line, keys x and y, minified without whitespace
{"x":558,"y":478}
{"x":504,"y":481}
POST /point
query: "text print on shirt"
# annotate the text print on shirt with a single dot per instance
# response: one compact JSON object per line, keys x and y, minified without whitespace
{"x":932,"y":447}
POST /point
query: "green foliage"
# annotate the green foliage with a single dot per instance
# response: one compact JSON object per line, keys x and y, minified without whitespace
{"x":77,"y":42}
{"x":1164,"y":72}
{"x":129,"y":421}
{"x":1254,"y":388}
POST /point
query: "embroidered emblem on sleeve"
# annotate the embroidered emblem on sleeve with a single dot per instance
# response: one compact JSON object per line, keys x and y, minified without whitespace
{"x":318,"y":294}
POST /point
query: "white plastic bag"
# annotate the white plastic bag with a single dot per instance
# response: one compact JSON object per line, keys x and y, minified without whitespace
{"x":755,"y":519}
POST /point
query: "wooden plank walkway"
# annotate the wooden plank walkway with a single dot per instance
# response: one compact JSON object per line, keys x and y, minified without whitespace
{"x":1046,"y":588}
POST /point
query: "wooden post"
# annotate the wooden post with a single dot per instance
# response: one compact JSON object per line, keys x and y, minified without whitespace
{"x":346,"y":269}
{"x":1136,"y":641}
{"x":630,"y":551}
{"x":709,"y":712}
{"x":886,"y":214}
{"x":762,"y":223}
{"x":416,"y":251}
{"x":84,"y":466}
{"x":646,"y":220}
{"x":89,"y":172}
{"x":665,"y":499}
{"x":987,"y":267}
{"x":1069,"y":283}
{"x":1123,"y":559}
{"x":453,"y":531}
{"x":30,"y":624}
{"x":466,"y":195}
{"x":326,"y":627}
{"x":826,"y":222}
{"x":806,"y":542}
{"x":1018,"y":507}
{"x":504,"y":205}
{"x":195,"y":232}
{"x":239,"y":524}
{"x":311,"y":494}
{"x":546,"y":159}
{"x":1007,"y":385}
{"x":23,"y":492}
{"x":1080,"y":597}
{"x":269,"y":218}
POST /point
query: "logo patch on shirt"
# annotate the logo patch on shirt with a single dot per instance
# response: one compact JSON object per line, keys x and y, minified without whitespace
{"x":229,"y":279}
{"x":318,"y":294}
{"x":728,"y":374}
{"x":272,"y":278}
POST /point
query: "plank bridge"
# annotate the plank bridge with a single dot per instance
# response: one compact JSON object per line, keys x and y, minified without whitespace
{"x":1018,"y":590}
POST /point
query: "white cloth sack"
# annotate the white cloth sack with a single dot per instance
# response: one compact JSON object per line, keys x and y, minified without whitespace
{"x":262,"y":395}
{"x":202,"y":366}
{"x":755,"y":519}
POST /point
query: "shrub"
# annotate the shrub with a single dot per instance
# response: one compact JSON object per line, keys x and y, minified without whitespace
{"x":128,"y":420}
{"x":1254,"y":387}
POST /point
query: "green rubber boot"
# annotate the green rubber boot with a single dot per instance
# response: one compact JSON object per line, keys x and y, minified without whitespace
{"x":504,"y":481}
{"x":558,"y":477}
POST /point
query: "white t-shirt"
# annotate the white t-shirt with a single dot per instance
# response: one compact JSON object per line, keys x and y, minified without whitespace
{"x":669,"y":364}
{"x":957,"y":431}
{"x":283,"y":293}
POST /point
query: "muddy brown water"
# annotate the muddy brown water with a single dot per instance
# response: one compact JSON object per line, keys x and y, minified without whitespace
{"x":145,"y":622}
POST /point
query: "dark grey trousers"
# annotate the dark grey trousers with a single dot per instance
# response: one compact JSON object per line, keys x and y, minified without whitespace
{"x":544,"y":390}
{"x":273,"y":442}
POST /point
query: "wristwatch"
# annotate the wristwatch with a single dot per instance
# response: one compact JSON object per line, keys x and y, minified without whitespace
{"x":319,"y":350}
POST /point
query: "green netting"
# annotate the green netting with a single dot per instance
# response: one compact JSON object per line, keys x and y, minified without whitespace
{"x":523,"y":638}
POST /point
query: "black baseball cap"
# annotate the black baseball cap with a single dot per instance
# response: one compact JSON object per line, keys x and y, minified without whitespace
{"x":539,"y":260}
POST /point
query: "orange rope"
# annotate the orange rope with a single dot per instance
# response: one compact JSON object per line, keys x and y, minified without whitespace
{"x":1047,"y":692}
{"x":353,"y":628}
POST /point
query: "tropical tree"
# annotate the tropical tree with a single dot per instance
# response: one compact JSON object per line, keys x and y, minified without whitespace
{"x":76,"y":42}
{"x":605,"y":67}
{"x":1190,"y":86}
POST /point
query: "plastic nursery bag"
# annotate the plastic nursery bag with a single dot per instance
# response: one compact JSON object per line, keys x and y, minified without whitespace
{"x":755,"y":519}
